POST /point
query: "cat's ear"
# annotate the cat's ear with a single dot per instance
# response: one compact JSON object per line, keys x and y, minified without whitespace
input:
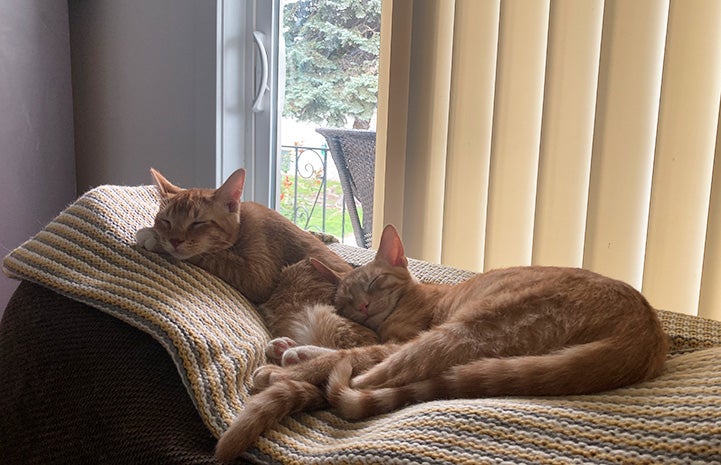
{"x":390,"y":249}
{"x":231,"y":190}
{"x":328,"y":274}
{"x":166,"y":188}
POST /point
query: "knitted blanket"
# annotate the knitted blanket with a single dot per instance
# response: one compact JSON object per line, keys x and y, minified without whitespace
{"x":216,"y":339}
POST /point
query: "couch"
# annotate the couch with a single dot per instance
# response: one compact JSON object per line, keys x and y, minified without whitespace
{"x":113,"y":355}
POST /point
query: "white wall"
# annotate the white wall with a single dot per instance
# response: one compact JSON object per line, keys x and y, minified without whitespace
{"x":144,"y":90}
{"x":37,"y":168}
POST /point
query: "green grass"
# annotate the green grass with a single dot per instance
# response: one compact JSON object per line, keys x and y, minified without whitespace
{"x":310,"y":212}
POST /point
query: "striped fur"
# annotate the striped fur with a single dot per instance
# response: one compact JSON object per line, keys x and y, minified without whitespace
{"x":244,"y":243}
{"x":525,"y":331}
{"x":300,"y":308}
{"x":556,"y":374}
{"x":262,"y":411}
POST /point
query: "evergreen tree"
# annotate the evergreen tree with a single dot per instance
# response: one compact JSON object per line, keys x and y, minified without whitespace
{"x":332,"y":60}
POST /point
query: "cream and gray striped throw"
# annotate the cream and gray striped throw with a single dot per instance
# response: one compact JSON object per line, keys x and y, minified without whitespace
{"x":216,"y":340}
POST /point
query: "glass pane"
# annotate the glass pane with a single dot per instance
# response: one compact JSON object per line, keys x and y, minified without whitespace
{"x":330,"y":55}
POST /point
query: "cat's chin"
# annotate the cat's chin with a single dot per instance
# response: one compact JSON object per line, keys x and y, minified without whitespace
{"x":180,"y":254}
{"x":374,"y":321}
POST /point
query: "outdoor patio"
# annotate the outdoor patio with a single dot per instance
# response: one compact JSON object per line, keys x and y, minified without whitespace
{"x":331,"y":192}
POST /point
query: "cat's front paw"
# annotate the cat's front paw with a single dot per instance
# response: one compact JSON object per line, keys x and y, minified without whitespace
{"x":277,"y":347}
{"x":325,"y":237}
{"x":147,"y":239}
{"x":296,"y":355}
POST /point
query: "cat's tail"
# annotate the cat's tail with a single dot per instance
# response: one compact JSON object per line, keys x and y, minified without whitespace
{"x":581,"y":369}
{"x":262,"y":411}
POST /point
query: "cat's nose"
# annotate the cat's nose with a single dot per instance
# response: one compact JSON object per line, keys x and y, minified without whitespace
{"x":363,"y":308}
{"x":176,"y":242}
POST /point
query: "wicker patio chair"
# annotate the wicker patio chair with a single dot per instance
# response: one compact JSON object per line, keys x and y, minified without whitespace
{"x":354,"y":154}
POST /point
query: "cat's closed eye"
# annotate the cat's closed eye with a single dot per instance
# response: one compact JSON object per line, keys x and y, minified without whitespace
{"x":376,"y":283}
{"x":196,"y":224}
{"x":165,"y":223}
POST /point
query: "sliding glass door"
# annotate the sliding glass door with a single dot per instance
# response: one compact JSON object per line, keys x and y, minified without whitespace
{"x":330,"y":81}
{"x":248,"y":71}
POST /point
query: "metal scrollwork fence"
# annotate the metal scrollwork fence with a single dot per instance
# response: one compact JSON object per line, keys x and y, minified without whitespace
{"x":308,"y":197}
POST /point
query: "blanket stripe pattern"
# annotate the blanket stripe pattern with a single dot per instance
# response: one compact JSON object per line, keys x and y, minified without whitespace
{"x":216,"y":339}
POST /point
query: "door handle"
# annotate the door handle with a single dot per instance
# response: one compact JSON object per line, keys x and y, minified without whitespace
{"x":258,"y":100}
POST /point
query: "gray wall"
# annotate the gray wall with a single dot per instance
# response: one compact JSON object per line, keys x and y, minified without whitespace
{"x":144,"y":83}
{"x":37,"y":169}
{"x":142,"y":94}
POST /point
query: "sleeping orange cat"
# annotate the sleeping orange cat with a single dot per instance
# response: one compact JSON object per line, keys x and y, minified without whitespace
{"x":259,"y":252}
{"x":524,"y":331}
{"x":244,"y":243}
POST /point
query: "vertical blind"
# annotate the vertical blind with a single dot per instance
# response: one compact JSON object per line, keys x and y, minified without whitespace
{"x":557,"y":132}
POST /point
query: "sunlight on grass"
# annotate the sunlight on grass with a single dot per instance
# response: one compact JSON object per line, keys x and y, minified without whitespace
{"x":315,"y":206}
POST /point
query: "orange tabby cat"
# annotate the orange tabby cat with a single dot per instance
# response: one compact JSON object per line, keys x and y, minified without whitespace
{"x":244,"y":243}
{"x":300,"y":313}
{"x":525,"y":331}
{"x":259,"y":252}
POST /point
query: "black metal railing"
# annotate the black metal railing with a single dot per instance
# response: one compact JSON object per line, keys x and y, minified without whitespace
{"x":307,"y":196}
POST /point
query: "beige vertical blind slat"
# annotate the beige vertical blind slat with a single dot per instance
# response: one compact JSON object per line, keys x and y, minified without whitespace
{"x":634,"y":35}
{"x":574,"y":47}
{"x":392,"y":125}
{"x":516,"y":132}
{"x":684,"y":156}
{"x":428,"y":103}
{"x":710,"y":300}
{"x":475,"y":42}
